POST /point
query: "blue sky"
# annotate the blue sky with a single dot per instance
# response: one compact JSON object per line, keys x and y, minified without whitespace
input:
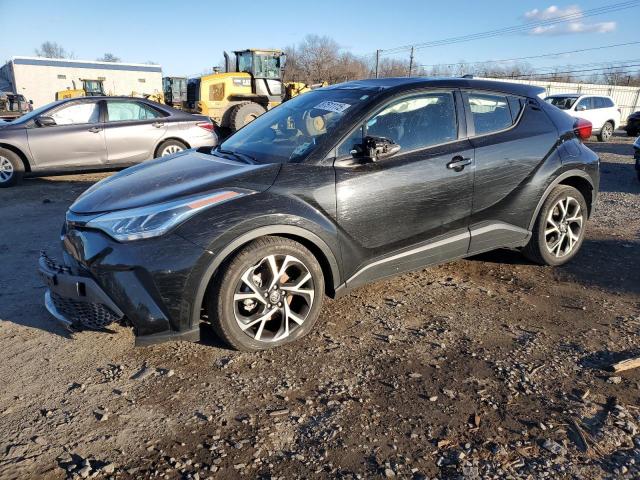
{"x":189,"y":37}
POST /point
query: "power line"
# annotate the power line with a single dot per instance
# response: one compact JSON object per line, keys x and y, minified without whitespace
{"x":601,"y":69}
{"x":615,"y":7}
{"x":507,"y":60}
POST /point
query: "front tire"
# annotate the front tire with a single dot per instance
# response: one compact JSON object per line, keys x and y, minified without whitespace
{"x":244,"y":113}
{"x":559,"y":229}
{"x":606,"y":132}
{"x":11,"y":168}
{"x":269,"y":294}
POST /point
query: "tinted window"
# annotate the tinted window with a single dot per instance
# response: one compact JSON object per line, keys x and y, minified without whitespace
{"x":598,"y":102}
{"x":563,"y":103}
{"x":417,"y":122}
{"x":77,"y":113}
{"x":124,"y":111}
{"x":608,"y":102}
{"x":491,"y":113}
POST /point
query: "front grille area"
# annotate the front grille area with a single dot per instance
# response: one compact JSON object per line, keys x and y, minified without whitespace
{"x":90,"y":315}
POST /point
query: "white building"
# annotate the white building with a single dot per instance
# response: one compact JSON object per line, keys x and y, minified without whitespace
{"x":38,"y":79}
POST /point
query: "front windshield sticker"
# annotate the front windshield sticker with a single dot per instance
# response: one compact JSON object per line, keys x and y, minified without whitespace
{"x":330,"y":106}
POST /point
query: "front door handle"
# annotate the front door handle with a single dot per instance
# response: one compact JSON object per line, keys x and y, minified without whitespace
{"x":458,"y":163}
{"x":95,"y":129}
{"x":158,"y":124}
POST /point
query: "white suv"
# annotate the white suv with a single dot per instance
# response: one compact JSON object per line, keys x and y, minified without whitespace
{"x":600,"y":110}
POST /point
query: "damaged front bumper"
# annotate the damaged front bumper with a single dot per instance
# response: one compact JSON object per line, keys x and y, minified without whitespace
{"x":74,"y":299}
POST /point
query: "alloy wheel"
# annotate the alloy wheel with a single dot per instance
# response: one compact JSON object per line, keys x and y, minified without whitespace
{"x":6,"y":170}
{"x":563,"y":227}
{"x":170,"y":150}
{"x":273,"y":298}
{"x":607,"y":131}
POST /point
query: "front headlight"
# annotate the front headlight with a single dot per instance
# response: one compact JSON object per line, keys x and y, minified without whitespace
{"x":156,"y":220}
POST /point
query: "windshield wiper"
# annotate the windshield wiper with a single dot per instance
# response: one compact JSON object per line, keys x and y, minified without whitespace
{"x":240,"y":156}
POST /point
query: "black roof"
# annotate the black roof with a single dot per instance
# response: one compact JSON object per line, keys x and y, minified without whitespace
{"x":401,"y":83}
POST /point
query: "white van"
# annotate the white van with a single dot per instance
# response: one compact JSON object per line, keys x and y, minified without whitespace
{"x":600,"y":110}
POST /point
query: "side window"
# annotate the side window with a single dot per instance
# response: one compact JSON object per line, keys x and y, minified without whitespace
{"x":598,"y":102}
{"x":608,"y":103}
{"x":77,"y":114}
{"x":585,"y":104}
{"x":417,"y":122}
{"x":128,"y":111}
{"x":491,"y":113}
{"x":347,"y":145}
{"x":516,"y":105}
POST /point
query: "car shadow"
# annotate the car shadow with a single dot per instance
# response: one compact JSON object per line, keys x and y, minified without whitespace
{"x":614,"y":148}
{"x":612,"y":265}
{"x":619,"y":177}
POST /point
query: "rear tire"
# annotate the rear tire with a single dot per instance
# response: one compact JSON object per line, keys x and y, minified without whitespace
{"x":244,"y":113}
{"x":11,"y":168}
{"x":606,"y":132}
{"x":269,"y":294}
{"x":559,"y":229}
{"x":170,"y":147}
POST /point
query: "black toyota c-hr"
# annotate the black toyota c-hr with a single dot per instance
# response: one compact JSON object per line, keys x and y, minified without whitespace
{"x":333,"y":189}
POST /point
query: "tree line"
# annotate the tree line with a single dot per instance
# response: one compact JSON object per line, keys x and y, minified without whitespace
{"x":319,"y":58}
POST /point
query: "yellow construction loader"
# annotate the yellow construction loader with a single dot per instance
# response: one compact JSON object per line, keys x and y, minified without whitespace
{"x":246,"y":90}
{"x":90,"y":88}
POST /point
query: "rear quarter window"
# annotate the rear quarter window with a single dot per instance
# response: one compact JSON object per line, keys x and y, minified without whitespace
{"x":493,"y":112}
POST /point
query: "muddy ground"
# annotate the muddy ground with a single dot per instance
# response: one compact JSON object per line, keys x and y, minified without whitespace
{"x":489,"y":367}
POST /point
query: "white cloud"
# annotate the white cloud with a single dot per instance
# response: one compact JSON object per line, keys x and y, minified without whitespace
{"x":552,"y":12}
{"x":575,"y":25}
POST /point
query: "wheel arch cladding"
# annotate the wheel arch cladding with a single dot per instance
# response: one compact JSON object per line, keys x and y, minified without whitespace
{"x":577,"y":179}
{"x":19,"y":153}
{"x":319,"y":249}
{"x":584,"y":187}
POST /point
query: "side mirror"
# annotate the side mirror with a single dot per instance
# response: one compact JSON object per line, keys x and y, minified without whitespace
{"x":376,"y":148}
{"x":44,"y":121}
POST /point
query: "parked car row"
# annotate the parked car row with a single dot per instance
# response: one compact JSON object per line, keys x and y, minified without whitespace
{"x":96,"y":133}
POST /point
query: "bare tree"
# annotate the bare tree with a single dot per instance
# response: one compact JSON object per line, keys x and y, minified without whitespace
{"x":109,"y":57}
{"x":51,"y":50}
{"x":321,"y":59}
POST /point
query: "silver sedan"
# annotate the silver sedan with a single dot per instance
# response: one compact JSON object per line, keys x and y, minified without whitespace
{"x":91,"y":133}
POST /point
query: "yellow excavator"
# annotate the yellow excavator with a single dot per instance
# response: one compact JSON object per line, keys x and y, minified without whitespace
{"x":246,"y":90}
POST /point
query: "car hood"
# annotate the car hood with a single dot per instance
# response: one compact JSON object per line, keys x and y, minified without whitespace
{"x":170,"y":178}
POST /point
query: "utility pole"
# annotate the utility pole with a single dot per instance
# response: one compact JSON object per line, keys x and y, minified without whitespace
{"x":377,"y":61}
{"x":411,"y":62}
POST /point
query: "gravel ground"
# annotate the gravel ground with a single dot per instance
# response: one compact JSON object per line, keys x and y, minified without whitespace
{"x":489,"y":367}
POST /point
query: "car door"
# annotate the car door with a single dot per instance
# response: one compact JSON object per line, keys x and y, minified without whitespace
{"x":512,"y":138}
{"x":133,"y":129}
{"x":76,"y":139}
{"x":585,"y":108}
{"x":412,"y":209}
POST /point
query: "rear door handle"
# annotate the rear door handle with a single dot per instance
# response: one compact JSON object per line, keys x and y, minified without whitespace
{"x":158,"y":124}
{"x":95,"y":129}
{"x":458,"y":163}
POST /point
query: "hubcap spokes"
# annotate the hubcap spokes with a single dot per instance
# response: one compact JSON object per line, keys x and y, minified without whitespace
{"x":273,"y":298}
{"x":6,"y":169}
{"x":170,"y":150}
{"x":563,"y":227}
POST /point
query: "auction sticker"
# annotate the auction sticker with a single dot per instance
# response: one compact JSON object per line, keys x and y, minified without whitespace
{"x":329,"y":106}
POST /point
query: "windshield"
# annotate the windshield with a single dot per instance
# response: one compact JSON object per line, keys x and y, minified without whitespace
{"x":292,"y":131}
{"x":563,"y":103}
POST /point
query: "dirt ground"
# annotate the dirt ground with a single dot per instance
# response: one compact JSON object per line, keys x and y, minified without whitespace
{"x":489,"y":367}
